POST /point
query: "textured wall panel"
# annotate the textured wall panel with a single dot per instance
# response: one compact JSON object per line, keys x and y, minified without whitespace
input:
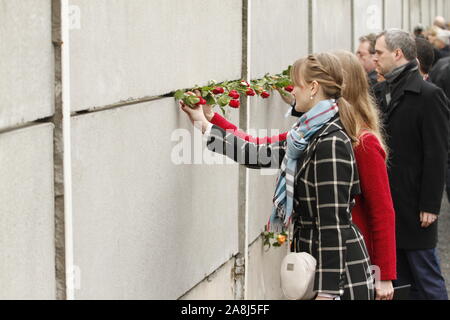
{"x":415,"y":13}
{"x":279,"y":34}
{"x":332,"y":31}
{"x":145,"y":228}
{"x":393,"y":14}
{"x":27,"y":255}
{"x":132,"y":49}
{"x":26,"y":61}
{"x":368,"y":18}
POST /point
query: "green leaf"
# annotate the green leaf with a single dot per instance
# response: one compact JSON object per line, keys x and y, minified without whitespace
{"x":211,"y":100}
{"x":192,"y":100}
{"x":179,"y":94}
{"x":224,"y":100}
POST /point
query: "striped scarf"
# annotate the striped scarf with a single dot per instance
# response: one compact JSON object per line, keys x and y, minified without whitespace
{"x":297,"y":141}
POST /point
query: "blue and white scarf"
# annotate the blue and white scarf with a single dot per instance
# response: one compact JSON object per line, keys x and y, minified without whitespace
{"x":297,"y":141}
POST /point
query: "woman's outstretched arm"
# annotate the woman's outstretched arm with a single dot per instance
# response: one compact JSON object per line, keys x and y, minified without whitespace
{"x":237,"y":149}
{"x":223,"y":123}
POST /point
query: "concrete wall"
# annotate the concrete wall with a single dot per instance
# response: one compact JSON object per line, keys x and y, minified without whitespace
{"x":393,"y":13}
{"x":27,"y":254}
{"x":368,"y":18}
{"x":148,"y":48}
{"x":330,"y":30}
{"x":26,"y":63}
{"x":135,"y":211}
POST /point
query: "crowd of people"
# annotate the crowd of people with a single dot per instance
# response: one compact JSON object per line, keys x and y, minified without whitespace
{"x":363,"y":170}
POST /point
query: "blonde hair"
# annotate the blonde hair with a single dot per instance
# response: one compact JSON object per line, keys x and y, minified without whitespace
{"x":356,"y":91}
{"x":326,"y":69}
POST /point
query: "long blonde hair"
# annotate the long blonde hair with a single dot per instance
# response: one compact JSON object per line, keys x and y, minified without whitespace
{"x":326,"y":69}
{"x":356,"y":91}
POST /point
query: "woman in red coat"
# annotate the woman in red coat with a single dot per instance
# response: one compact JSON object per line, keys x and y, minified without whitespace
{"x":373,"y":213}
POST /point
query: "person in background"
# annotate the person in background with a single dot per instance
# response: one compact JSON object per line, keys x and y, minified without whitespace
{"x":365,"y":54}
{"x":419,"y":32}
{"x":416,"y":118}
{"x":440,"y":23}
{"x":440,"y":76}
{"x":425,"y":56}
{"x":373,"y":212}
{"x":440,"y":39}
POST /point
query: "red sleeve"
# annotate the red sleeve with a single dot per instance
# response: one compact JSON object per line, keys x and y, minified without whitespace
{"x":220,"y":121}
{"x":370,"y":158}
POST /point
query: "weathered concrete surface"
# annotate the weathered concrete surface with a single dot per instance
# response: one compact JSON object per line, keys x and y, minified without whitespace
{"x":426,"y":12}
{"x":145,"y":228}
{"x":368,"y":18}
{"x":433,"y":10}
{"x":26,"y":62}
{"x":415,"y":13}
{"x":331,"y":31}
{"x":279,"y":35}
{"x":393,"y":14}
{"x":217,"y":286}
{"x":406,"y":16}
{"x":264,"y":272}
{"x":27,"y":256}
{"x":132,"y":49}
{"x":267,"y":115}
{"x":440,"y":7}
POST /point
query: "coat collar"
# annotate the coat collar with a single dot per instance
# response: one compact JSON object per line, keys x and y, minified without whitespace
{"x":333,"y":125}
{"x":413,"y":85}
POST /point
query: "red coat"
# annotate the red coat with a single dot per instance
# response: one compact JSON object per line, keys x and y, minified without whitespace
{"x":374,"y":212}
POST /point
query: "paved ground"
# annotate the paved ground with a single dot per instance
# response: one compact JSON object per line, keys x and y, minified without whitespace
{"x":444,"y":240}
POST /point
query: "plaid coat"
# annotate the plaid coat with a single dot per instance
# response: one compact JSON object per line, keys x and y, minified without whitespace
{"x":325,"y":185}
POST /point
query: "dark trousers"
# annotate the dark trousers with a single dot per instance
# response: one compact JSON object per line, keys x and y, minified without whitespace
{"x":421,"y":269}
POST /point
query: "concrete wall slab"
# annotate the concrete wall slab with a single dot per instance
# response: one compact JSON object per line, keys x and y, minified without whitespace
{"x":26,"y":62}
{"x":132,"y":49}
{"x":27,"y":255}
{"x":145,"y":228}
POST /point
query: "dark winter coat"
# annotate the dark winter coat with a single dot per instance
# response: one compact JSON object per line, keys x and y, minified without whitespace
{"x":416,"y":122}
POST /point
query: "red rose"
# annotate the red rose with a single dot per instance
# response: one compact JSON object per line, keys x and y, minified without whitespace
{"x":265,"y":94}
{"x":201,"y":102}
{"x":250,"y":92}
{"x":234,"y":94}
{"x":289,"y":88}
{"x":218,"y":90}
{"x":235,"y":104}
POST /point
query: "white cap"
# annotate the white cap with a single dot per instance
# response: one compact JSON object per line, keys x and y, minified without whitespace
{"x":444,"y":36}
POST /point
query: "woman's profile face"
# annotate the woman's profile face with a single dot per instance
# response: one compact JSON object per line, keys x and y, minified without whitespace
{"x":302,"y":94}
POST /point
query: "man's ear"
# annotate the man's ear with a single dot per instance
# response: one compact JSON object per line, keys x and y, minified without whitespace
{"x":398,"y":54}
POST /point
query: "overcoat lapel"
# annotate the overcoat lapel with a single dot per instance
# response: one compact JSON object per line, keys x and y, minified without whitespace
{"x":414,"y":84}
{"x":332,"y":126}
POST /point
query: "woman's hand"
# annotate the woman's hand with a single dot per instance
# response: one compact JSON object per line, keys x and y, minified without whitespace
{"x":385,"y":291}
{"x":196,"y":116}
{"x":207,"y":109}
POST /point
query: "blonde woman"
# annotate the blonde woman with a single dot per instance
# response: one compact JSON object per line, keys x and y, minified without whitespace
{"x":373,"y":212}
{"x":318,"y":179}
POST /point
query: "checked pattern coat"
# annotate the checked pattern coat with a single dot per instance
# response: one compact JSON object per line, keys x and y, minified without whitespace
{"x":325,"y":185}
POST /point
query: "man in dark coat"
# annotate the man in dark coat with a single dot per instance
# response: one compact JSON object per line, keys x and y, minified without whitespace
{"x":440,"y":76}
{"x":416,"y":120}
